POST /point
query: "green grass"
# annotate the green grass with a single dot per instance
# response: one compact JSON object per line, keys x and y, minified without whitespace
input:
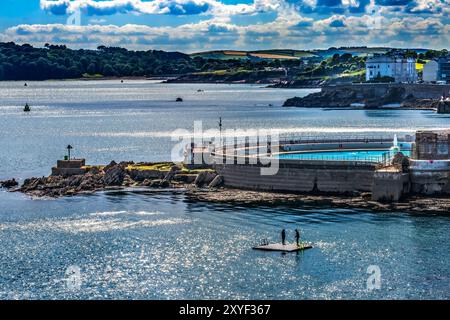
{"x":352,"y":74}
{"x":165,"y":166}
{"x":92,"y":76}
{"x":228,"y":54}
{"x":222,"y":72}
{"x":160,"y":166}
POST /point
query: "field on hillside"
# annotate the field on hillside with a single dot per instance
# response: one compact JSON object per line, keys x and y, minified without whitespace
{"x":262,"y":54}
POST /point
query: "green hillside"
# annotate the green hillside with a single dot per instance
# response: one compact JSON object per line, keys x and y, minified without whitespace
{"x":280,"y":54}
{"x":285,"y":54}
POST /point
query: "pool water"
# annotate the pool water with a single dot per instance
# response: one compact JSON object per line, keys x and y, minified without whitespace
{"x":342,"y":155}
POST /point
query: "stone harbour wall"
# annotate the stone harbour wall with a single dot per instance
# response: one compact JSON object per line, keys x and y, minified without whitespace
{"x":301,"y":176}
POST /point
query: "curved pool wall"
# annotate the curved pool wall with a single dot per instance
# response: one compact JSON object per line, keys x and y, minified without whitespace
{"x":328,"y":176}
{"x":301,"y":175}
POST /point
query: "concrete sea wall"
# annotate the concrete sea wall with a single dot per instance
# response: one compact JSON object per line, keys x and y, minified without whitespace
{"x":430,"y":176}
{"x":302,"y":176}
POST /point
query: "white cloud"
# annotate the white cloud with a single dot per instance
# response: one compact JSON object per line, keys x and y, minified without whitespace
{"x":174,"y":7}
{"x":290,"y":28}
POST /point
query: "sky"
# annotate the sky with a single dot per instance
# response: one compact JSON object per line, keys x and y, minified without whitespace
{"x":202,"y":25}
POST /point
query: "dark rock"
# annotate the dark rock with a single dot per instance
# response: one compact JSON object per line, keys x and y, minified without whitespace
{"x":155,"y":183}
{"x":158,"y":183}
{"x":114,"y":175}
{"x":204,"y":177}
{"x":109,"y":166}
{"x":141,"y":175}
{"x":209,"y":177}
{"x":442,"y":106}
{"x":127,"y":181}
{"x":8,"y":184}
{"x":200,"y":179}
{"x":32,"y":184}
{"x":186,"y":178}
{"x":164,"y":184}
{"x":337,"y":98}
{"x":372,"y":97}
{"x":146,"y":183}
{"x":216,"y":182}
{"x":173,"y":171}
{"x":87,"y":183}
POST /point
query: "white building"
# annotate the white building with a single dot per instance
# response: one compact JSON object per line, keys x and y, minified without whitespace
{"x":430,"y":71}
{"x":397,"y":67}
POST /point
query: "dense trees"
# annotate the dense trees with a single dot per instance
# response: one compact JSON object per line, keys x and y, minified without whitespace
{"x":433,"y":54}
{"x":336,"y":64}
{"x":23,"y":62}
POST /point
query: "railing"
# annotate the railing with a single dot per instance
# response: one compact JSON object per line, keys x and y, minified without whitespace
{"x":348,"y":139}
{"x":307,"y":138}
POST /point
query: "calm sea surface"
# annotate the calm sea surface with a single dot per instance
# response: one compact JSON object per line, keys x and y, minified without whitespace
{"x":143,"y":244}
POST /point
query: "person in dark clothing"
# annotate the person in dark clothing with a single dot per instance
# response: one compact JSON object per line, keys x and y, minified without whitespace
{"x":297,"y":237}
{"x":283,"y":237}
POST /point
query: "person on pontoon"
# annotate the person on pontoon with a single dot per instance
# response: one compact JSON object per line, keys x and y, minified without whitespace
{"x":283,"y":237}
{"x":297,"y":237}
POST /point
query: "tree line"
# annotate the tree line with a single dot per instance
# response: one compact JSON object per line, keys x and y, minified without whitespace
{"x":25,"y":62}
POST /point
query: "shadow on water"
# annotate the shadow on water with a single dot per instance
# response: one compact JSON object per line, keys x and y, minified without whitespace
{"x":384,"y":113}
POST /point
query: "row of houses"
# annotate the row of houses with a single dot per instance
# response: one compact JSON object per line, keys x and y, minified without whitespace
{"x":403,"y":69}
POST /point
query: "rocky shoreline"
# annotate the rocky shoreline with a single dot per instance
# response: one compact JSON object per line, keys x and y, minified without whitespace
{"x":205,"y":185}
{"x":365,"y":97}
{"x":363,"y":201}
{"x":116,"y":176}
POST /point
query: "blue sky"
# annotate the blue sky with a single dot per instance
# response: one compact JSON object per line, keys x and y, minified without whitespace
{"x":197,"y":25}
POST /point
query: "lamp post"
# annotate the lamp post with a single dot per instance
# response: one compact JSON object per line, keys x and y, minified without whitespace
{"x":69,"y":147}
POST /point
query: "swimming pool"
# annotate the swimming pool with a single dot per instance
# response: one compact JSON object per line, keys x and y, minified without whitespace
{"x":342,"y":155}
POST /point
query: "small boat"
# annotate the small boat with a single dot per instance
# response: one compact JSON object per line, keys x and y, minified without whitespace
{"x":179,"y":99}
{"x":26,"y":108}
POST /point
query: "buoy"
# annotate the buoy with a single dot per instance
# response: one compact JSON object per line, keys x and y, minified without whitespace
{"x":27,"y":108}
{"x":25,"y":85}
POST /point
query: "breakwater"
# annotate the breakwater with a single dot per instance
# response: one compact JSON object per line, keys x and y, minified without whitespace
{"x":412,"y":96}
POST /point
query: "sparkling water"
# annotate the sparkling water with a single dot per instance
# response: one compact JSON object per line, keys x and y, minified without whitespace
{"x":144,"y":244}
